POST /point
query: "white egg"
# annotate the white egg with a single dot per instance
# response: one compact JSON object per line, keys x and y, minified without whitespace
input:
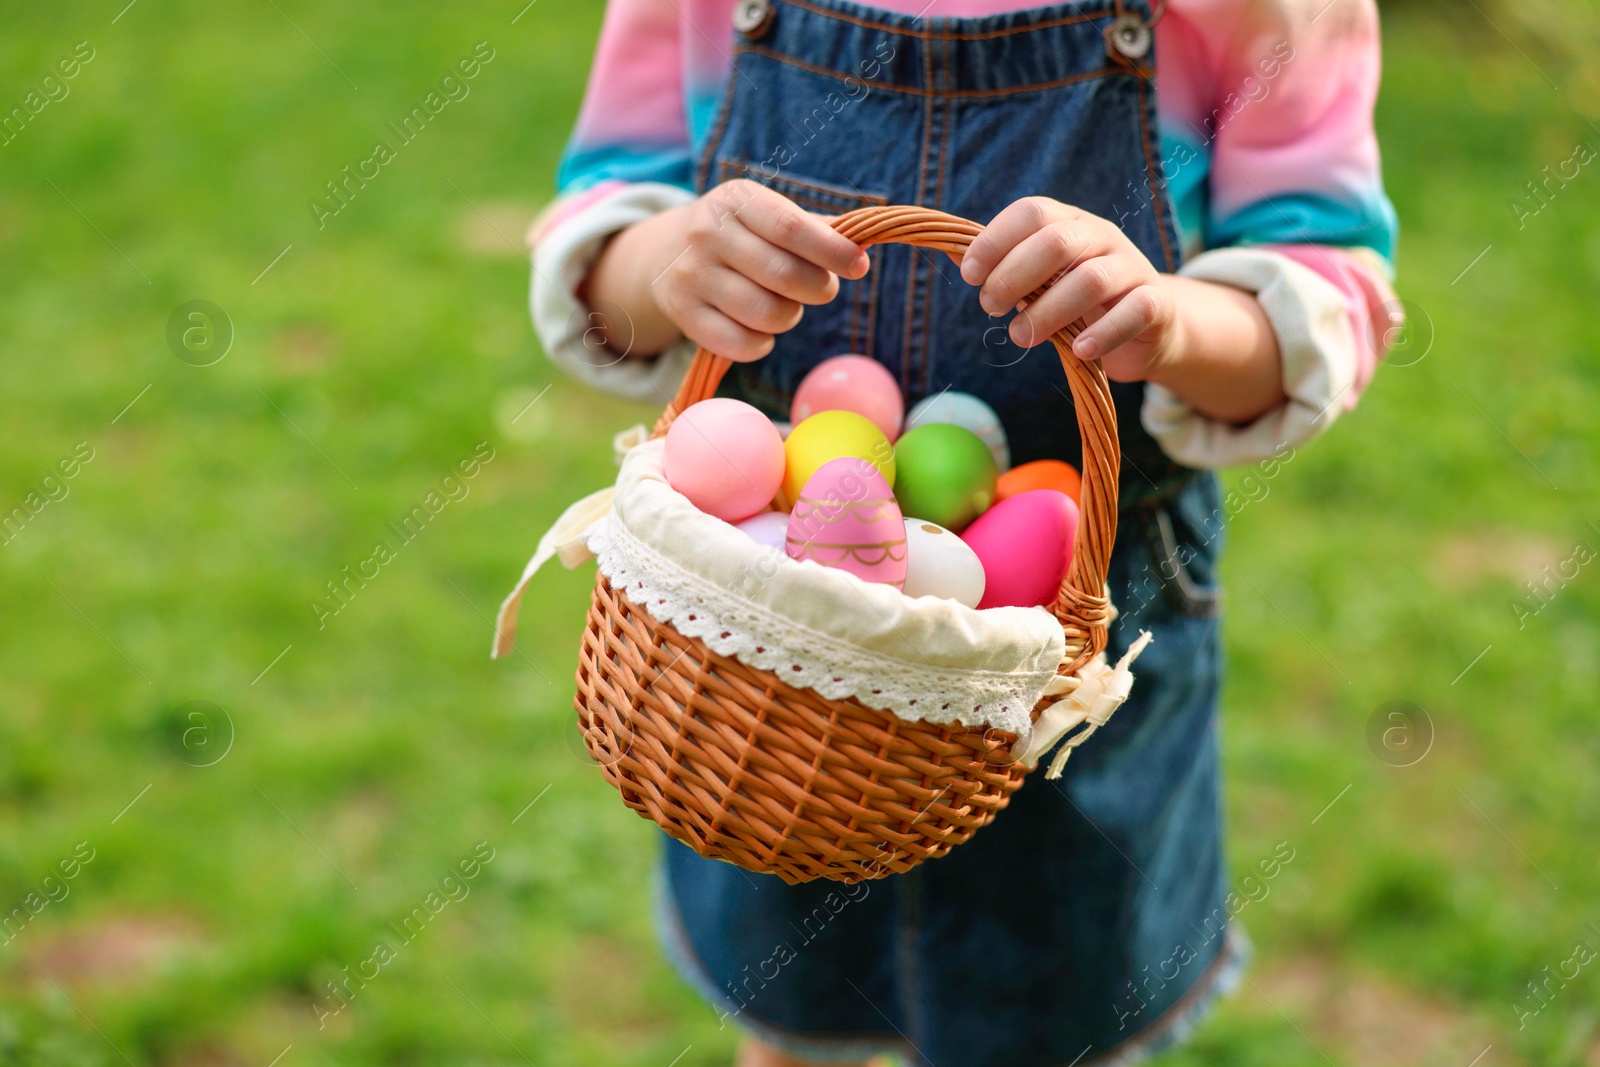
{"x":938,"y":563}
{"x":769,"y":528}
{"x":967,"y":411}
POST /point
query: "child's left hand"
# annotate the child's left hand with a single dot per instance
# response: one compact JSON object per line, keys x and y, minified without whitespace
{"x":1093,"y":272}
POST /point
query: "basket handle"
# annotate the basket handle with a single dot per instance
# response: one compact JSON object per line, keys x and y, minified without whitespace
{"x":1082,"y":605}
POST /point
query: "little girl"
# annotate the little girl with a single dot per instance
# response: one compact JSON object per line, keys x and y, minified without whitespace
{"x":1219,"y":222}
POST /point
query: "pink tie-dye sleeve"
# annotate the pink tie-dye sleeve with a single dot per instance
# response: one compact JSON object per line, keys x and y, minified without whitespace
{"x":633,"y":126}
{"x":1295,"y":158}
{"x":1375,"y":315}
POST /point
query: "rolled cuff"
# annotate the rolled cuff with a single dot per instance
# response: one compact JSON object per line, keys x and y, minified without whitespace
{"x":1311,"y":319}
{"x":562,"y":257}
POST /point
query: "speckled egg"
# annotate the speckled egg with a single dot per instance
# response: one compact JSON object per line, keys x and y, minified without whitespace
{"x":830,"y":435}
{"x":846,"y":517}
{"x":965,"y":410}
{"x":939,"y":563}
{"x":851,"y":383}
{"x":1040,"y":474}
{"x":944,"y":474}
{"x":1025,"y":544}
{"x":726,"y":457}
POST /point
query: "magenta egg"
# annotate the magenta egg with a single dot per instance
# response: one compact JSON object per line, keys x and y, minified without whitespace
{"x":846,"y":517}
{"x":1025,"y":545}
{"x":851,"y":383}
{"x":726,"y":457}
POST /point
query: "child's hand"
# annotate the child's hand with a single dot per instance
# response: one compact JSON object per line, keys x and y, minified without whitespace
{"x":1093,"y":272}
{"x":744,"y":261}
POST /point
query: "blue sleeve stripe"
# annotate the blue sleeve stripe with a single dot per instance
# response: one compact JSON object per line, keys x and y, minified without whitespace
{"x":1306,"y":218}
{"x":581,"y":169}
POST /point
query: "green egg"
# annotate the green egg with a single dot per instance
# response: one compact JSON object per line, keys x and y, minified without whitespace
{"x":943,"y":473}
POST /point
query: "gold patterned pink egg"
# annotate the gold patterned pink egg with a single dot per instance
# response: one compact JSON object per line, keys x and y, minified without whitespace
{"x":846,"y":517}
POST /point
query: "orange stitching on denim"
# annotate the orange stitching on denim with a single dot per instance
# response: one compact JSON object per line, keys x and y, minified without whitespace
{"x":866,"y":285}
{"x":703,"y":179}
{"x":968,"y":94}
{"x":781,"y":178}
{"x":1069,"y":20}
{"x":938,"y":202}
{"x":872,"y":280}
{"x":907,"y":353}
{"x":1153,"y":176}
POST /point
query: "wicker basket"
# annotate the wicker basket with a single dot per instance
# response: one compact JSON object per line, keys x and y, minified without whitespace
{"x":744,"y":768}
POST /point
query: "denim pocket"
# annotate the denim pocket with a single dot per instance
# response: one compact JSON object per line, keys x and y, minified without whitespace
{"x":1183,"y":535}
{"x":855,"y":318}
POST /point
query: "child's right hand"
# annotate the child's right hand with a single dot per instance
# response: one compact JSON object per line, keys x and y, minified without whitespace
{"x":737,"y":265}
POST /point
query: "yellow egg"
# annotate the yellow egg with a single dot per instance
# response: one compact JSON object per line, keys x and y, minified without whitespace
{"x":829,"y":435}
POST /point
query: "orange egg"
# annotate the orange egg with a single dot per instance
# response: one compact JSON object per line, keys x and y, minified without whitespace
{"x":1040,"y":474}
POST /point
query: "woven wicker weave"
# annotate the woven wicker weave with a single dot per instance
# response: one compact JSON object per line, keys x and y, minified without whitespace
{"x":744,"y":768}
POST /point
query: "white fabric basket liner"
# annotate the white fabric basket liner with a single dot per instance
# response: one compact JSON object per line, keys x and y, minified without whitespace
{"x":815,"y":627}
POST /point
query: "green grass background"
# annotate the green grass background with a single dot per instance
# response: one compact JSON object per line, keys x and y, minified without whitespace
{"x":378,"y":750}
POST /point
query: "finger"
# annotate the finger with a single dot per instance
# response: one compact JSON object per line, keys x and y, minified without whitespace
{"x":787,"y":225}
{"x":1034,"y":262}
{"x":1090,"y":284}
{"x":1015,"y":223}
{"x":715,"y":331}
{"x":781,"y":272}
{"x":1131,"y":316}
{"x":747,"y":303}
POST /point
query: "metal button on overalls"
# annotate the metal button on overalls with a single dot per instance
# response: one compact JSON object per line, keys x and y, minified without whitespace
{"x":750,"y":17}
{"x":1131,"y":36}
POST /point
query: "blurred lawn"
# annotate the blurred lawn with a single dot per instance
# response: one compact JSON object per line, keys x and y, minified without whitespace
{"x":381,"y":749}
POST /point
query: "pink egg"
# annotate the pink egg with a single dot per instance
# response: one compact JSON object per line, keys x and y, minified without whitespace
{"x":770,"y":529}
{"x":851,"y":383}
{"x":846,"y":517}
{"x":726,"y":457}
{"x":1025,"y":545}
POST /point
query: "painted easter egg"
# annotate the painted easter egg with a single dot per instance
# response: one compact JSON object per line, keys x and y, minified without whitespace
{"x":939,"y":563}
{"x":944,"y":473}
{"x":769,"y":529}
{"x":1040,"y":474}
{"x":964,"y":409}
{"x":726,"y":457}
{"x":1025,"y":544}
{"x":829,"y":435}
{"x":851,"y":383}
{"x":846,"y":517}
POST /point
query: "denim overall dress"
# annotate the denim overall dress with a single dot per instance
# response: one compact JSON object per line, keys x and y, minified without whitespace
{"x":1086,"y":924}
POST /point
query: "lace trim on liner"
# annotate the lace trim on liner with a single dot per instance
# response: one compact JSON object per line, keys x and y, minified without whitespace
{"x":803,"y":657}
